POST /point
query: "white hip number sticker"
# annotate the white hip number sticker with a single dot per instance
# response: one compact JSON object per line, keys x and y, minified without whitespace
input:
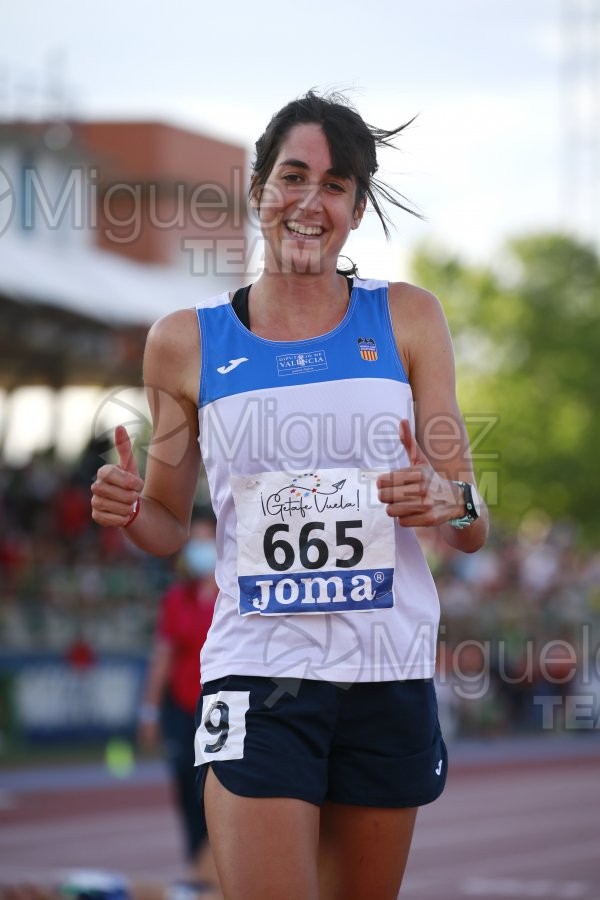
{"x":222,"y":728}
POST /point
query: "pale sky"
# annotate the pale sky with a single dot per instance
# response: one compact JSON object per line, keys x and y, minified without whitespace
{"x":482,"y":162}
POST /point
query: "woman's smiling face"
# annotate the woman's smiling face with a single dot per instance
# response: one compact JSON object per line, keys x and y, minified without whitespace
{"x":306,"y":210}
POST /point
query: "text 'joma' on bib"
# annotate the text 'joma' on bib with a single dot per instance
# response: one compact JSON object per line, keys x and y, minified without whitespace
{"x":312,"y":542}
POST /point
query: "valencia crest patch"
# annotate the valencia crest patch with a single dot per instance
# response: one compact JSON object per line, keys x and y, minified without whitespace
{"x":367,"y":348}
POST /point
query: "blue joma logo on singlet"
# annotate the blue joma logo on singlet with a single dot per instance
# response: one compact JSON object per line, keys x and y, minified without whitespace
{"x":296,"y":363}
{"x":327,"y":592}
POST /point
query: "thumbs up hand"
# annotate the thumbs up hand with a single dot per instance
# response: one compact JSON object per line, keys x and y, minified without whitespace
{"x":417,"y":495}
{"x":415,"y":454}
{"x":116,"y":490}
{"x":125,"y":450}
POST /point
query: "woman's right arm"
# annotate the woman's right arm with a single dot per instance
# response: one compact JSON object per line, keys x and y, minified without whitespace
{"x":166,"y":497}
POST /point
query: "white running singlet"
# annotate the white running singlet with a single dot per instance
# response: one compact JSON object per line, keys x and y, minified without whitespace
{"x":315,"y":579}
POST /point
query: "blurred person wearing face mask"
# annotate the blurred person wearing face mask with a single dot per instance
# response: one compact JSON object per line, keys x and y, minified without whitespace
{"x":172,"y":686}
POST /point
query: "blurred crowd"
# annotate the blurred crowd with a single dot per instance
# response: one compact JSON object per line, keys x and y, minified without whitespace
{"x":520,"y":631}
{"x":65,"y":583}
{"x":520,"y":619}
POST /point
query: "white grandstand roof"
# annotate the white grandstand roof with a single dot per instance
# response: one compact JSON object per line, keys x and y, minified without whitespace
{"x":99,"y":284}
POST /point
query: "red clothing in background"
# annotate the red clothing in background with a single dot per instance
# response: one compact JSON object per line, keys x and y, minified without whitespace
{"x":184,"y":619}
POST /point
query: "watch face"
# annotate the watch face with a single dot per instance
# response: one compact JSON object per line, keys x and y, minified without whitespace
{"x":476,"y":500}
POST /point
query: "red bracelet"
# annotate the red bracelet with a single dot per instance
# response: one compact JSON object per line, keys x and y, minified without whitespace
{"x":134,"y":513}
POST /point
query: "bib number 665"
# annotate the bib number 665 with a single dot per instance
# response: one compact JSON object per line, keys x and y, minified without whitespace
{"x":313,"y":551}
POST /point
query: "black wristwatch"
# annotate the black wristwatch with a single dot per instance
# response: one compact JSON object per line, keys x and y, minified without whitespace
{"x":472,"y":506}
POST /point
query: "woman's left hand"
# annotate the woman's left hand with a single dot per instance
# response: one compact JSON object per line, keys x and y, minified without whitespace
{"x":417,"y":496}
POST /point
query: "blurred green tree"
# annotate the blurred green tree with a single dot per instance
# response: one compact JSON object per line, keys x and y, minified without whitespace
{"x":527,"y":340}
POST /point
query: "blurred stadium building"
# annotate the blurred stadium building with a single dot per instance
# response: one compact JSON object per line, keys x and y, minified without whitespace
{"x":104,"y":227}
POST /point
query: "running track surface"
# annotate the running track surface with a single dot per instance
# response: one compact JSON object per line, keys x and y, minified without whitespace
{"x":507,"y":826}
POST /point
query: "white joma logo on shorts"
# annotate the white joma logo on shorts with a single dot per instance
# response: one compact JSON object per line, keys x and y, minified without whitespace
{"x":438,"y":768}
{"x":232,"y":364}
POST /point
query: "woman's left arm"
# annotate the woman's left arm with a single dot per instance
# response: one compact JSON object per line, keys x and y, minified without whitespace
{"x":426,"y":492}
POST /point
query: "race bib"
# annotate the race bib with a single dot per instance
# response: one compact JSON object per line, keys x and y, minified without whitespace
{"x":312,"y":542}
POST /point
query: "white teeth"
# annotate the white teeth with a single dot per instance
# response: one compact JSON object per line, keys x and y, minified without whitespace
{"x":308,"y":230}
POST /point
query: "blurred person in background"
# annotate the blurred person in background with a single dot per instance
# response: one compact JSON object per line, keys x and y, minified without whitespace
{"x":172,"y":686}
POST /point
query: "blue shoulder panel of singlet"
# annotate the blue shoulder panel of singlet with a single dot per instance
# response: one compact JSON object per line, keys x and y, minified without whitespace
{"x":235,"y":361}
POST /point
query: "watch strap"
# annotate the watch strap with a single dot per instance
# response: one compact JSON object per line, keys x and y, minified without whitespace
{"x":471,"y":514}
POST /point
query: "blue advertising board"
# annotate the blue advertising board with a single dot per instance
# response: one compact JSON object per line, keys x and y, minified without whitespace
{"x":51,"y":699}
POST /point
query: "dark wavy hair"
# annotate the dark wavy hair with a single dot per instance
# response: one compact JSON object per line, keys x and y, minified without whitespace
{"x":353,"y":145}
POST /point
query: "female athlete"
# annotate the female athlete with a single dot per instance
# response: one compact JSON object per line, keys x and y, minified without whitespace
{"x":323,"y":406}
